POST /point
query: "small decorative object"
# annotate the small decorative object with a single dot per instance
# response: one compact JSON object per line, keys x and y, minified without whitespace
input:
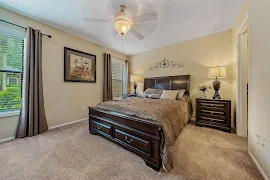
{"x":217,"y":72}
{"x":79,"y":66}
{"x":165,"y":63}
{"x":204,"y":88}
{"x":135,"y":79}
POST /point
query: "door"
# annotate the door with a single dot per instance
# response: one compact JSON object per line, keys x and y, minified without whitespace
{"x":242,"y":102}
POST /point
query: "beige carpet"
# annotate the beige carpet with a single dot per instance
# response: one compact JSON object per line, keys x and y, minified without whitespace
{"x":72,"y":153}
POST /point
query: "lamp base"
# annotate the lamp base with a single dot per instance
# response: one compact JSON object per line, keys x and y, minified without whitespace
{"x":135,"y":87}
{"x":216,"y":95}
{"x":216,"y":86}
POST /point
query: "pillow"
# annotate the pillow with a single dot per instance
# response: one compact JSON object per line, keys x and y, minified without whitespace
{"x":141,"y":96}
{"x":169,"y":94}
{"x":151,"y":91}
{"x":181,"y":92}
{"x":154,"y":96}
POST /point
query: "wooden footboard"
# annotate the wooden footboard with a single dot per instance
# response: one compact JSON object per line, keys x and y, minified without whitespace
{"x":137,"y":135}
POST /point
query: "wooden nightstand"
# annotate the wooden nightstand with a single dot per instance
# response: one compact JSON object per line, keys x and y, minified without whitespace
{"x":214,"y":113}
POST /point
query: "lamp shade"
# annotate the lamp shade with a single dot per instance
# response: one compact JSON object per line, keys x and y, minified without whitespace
{"x":136,"y":78}
{"x":217,"y":72}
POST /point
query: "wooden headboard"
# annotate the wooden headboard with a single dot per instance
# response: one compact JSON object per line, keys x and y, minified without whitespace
{"x":168,"y":83}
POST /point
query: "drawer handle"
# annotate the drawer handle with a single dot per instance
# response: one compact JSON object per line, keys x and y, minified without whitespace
{"x":99,"y":126}
{"x":128,"y":141}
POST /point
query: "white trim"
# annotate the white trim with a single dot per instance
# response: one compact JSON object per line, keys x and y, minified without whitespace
{"x":7,"y":139}
{"x":53,"y":127}
{"x":258,"y":166}
{"x":243,"y":24}
{"x":10,"y":113}
{"x":193,"y":119}
{"x":241,"y":127}
{"x":65,"y":124}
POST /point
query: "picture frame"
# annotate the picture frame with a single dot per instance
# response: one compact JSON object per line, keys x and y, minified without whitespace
{"x":79,"y":66}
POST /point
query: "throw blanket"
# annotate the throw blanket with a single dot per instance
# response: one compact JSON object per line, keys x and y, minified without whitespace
{"x":173,"y":115}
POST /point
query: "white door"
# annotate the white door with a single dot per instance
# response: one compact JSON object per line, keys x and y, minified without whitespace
{"x":242,"y":118}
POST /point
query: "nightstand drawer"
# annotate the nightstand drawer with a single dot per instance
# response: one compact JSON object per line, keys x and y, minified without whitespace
{"x":215,"y":109}
{"x":212,"y":112}
{"x":212,"y":118}
{"x":212,"y":104}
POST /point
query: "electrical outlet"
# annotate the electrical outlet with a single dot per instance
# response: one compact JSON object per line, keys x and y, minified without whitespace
{"x":83,"y":108}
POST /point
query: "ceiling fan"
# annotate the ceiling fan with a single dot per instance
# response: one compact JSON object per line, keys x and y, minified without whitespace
{"x":123,"y":24}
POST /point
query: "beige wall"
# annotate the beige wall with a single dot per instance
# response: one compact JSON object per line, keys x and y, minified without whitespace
{"x":63,"y":100}
{"x":196,"y":55}
{"x":259,"y":75}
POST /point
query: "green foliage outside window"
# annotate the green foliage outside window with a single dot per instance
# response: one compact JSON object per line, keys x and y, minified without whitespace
{"x":10,"y":100}
{"x":11,"y":58}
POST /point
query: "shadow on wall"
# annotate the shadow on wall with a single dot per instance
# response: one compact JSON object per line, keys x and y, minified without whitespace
{"x":198,"y":76}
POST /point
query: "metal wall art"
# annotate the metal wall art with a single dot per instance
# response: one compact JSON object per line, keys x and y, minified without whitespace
{"x":165,"y":63}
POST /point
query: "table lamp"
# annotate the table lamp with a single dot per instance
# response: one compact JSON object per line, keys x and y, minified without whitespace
{"x":217,"y":72}
{"x":135,"y":79}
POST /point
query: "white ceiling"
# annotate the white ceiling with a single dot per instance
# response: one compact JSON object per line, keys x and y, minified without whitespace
{"x":179,"y":20}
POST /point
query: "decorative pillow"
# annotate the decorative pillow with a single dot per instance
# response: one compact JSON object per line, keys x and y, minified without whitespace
{"x":154,"y":96}
{"x":141,"y":96}
{"x":181,"y":92}
{"x":169,"y":94}
{"x":152,"y":91}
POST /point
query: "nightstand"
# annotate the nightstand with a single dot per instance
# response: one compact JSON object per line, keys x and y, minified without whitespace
{"x":214,"y":113}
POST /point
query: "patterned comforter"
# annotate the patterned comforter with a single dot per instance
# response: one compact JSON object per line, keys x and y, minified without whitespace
{"x":173,"y":115}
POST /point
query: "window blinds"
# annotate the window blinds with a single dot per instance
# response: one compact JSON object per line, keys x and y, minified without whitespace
{"x":117,"y":79}
{"x":11,"y":71}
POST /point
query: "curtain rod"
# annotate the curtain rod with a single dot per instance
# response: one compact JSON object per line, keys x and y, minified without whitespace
{"x":49,"y":36}
{"x":119,"y":58}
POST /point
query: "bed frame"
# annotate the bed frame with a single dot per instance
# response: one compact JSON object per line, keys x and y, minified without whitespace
{"x":140,"y":136}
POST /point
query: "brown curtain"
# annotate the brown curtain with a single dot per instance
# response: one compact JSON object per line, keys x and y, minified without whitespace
{"x":126,"y":77}
{"x":32,"y":120}
{"x":107,"y":86}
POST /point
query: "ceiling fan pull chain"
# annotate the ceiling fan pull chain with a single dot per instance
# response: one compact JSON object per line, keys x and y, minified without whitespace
{"x":122,"y":42}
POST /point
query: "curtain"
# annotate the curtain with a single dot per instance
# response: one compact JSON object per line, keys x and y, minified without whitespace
{"x":32,"y":120}
{"x":107,"y":86}
{"x":126,"y":77}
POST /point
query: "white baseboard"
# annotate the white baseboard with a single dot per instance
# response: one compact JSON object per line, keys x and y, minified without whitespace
{"x":258,"y":166}
{"x":53,"y":127}
{"x":7,"y":139}
{"x":65,"y":124}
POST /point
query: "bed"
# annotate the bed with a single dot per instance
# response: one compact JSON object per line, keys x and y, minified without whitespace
{"x":138,"y":131}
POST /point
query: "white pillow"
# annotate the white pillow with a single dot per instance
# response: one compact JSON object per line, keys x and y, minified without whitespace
{"x":181,"y":92}
{"x":169,"y":94}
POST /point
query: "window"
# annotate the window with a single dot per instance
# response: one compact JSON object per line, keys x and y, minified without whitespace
{"x":117,"y":78}
{"x":11,"y":69}
{"x":12,"y":81}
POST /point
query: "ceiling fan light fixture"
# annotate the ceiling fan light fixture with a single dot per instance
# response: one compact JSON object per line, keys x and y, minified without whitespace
{"x":122,"y":23}
{"x":122,"y":27}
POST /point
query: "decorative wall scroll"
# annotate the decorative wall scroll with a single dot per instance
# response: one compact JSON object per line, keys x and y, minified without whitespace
{"x":165,"y":63}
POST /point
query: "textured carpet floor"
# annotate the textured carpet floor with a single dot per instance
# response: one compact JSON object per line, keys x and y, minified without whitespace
{"x":71,"y":152}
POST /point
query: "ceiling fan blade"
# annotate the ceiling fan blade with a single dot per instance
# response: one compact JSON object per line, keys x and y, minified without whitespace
{"x":145,"y":17}
{"x":88,"y":19}
{"x":114,"y":32}
{"x":136,"y":33}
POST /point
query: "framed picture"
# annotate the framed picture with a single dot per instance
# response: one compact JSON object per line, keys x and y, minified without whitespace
{"x":79,"y":66}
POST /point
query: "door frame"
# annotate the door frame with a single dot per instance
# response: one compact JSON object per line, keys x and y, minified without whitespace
{"x":241,"y":123}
